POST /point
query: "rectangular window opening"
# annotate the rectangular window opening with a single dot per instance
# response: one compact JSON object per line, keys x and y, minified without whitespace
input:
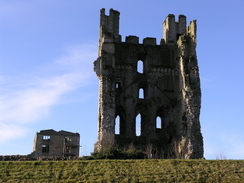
{"x":67,"y":139}
{"x":46,"y":137}
{"x":68,"y":149}
{"x":45,"y":148}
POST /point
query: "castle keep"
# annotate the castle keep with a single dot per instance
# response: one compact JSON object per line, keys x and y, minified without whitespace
{"x":149,"y":91}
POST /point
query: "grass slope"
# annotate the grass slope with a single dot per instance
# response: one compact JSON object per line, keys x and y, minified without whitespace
{"x":154,"y":170}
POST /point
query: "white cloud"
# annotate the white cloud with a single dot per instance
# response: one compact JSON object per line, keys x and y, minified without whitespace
{"x":26,"y":100}
{"x":11,"y":131}
{"x":29,"y":104}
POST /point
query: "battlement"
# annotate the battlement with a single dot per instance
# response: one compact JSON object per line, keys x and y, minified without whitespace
{"x":149,"y":41}
{"x":132,"y":39}
{"x":135,"y":40}
{"x":173,"y":29}
{"x":109,"y":24}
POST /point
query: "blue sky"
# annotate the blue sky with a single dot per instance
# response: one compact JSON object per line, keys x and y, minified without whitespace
{"x":47,"y":49}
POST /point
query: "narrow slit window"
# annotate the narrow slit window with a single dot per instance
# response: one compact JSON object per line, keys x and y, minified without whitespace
{"x":117,"y":125}
{"x":117,"y":85}
{"x":138,"y":125}
{"x":141,"y":93}
{"x":158,"y":123}
{"x":140,"y":66}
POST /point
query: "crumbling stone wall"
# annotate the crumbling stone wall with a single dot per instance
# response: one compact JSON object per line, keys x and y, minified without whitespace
{"x":169,"y":83}
{"x":29,"y":158}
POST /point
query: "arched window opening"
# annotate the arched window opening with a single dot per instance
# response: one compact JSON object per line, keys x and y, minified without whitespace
{"x":141,"y":93}
{"x":138,"y":125}
{"x":140,"y":66}
{"x":158,"y":123}
{"x":117,"y":125}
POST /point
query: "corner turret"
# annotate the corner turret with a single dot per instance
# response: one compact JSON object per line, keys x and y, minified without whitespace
{"x":172,"y":29}
{"x":109,"y":26}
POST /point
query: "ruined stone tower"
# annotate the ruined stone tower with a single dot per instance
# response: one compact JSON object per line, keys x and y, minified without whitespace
{"x":159,"y":83}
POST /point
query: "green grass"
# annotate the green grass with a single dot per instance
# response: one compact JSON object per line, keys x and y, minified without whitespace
{"x":123,"y":171}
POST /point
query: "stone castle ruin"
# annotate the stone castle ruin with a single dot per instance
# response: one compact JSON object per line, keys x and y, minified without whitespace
{"x":51,"y":143}
{"x":149,"y":91}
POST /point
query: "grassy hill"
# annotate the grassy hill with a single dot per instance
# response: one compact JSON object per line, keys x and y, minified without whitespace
{"x":153,"y":170}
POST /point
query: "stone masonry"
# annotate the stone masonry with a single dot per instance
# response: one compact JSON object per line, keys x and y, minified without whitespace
{"x":50,"y":143}
{"x":157,"y":82}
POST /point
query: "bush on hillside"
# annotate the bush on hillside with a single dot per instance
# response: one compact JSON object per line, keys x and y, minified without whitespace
{"x":116,"y":154}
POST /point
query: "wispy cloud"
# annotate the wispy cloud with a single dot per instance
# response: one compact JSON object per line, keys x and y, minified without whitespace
{"x":11,"y":131}
{"x":26,"y":100}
